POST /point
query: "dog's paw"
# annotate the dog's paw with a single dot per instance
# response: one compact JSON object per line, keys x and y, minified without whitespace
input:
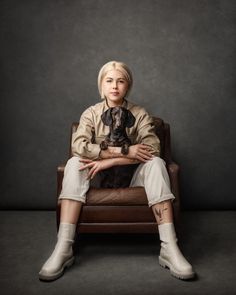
{"x":103,"y":145}
{"x":125,"y":149}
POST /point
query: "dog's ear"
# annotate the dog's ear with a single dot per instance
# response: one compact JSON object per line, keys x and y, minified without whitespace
{"x":107,"y":117}
{"x":130,"y":119}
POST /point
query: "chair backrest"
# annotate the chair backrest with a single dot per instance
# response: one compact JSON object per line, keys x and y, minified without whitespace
{"x":162,"y":130}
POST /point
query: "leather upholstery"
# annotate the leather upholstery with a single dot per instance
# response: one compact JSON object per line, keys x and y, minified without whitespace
{"x":124,"y":210}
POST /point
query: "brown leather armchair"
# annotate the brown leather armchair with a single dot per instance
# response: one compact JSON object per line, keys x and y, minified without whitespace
{"x":124,"y":210}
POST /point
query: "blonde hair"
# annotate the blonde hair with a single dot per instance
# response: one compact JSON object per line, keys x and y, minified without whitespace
{"x":115,"y":65}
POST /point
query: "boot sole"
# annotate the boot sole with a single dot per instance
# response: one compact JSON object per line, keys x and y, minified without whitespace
{"x":164,"y":263}
{"x":58,"y":274}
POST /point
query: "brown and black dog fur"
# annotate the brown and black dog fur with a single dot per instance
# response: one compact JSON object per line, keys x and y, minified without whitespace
{"x":118,"y":119}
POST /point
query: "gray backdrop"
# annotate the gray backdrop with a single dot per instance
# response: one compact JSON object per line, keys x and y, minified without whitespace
{"x":182,"y":57}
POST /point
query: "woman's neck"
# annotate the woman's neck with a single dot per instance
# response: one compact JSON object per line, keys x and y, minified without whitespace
{"x":113,"y":104}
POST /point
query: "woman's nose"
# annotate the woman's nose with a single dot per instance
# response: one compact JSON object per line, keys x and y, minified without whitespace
{"x":114,"y":85}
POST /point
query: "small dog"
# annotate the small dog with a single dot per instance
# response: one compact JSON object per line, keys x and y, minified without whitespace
{"x":118,"y":119}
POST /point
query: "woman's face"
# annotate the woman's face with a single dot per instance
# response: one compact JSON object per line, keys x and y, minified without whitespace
{"x":114,"y":86}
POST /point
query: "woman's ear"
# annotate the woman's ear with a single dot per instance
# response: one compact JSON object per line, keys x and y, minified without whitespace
{"x":130,"y":119}
{"x":107,"y":117}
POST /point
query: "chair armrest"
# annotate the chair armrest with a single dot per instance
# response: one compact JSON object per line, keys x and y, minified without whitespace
{"x":61,"y":168}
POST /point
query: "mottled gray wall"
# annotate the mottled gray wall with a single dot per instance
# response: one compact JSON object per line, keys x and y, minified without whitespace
{"x":182,"y":56}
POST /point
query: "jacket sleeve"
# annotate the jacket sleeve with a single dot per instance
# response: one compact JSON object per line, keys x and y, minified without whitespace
{"x":146,"y":133}
{"x":82,"y":140}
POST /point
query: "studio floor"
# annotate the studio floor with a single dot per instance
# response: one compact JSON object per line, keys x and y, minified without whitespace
{"x":118,"y":264}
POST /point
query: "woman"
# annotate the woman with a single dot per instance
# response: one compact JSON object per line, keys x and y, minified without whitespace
{"x":114,"y":84}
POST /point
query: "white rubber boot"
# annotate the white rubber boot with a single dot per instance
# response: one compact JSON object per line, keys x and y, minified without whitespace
{"x":62,"y":256}
{"x":170,"y":254}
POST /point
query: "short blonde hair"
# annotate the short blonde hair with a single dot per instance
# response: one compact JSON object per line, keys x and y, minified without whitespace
{"x":115,"y":65}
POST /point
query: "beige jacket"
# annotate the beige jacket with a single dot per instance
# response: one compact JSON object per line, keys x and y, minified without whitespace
{"x":91,"y":130}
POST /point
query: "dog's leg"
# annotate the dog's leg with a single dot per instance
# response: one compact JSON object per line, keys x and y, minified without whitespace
{"x":103,"y":145}
{"x":125,"y":149}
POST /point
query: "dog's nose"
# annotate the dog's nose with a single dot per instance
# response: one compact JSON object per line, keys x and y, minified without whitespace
{"x":118,"y":122}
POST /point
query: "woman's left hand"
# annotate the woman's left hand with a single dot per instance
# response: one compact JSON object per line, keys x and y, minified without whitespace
{"x":95,"y":166}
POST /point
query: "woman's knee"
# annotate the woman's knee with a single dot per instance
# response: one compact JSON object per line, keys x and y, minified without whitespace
{"x":157,"y":166}
{"x":73,"y":162}
{"x":72,"y":170}
{"x":157,"y":162}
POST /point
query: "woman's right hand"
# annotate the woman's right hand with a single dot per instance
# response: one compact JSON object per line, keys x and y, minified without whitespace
{"x":95,"y":166}
{"x":140,"y":152}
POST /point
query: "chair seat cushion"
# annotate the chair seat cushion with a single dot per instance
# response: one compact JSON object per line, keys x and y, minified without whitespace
{"x":120,"y":196}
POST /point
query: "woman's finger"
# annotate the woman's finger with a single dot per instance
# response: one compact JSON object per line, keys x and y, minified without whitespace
{"x":85,"y":160}
{"x":145,"y":156}
{"x":145,"y":145}
{"x":83,"y":167}
{"x":145,"y":150}
{"x":141,"y":159}
{"x":94,"y":173}
{"x":87,"y":166}
{"x":91,"y":172}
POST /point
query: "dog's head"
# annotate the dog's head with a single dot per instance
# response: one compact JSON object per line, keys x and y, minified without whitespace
{"x":118,"y":118}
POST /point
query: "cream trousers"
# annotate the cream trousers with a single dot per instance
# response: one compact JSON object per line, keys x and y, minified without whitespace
{"x":152,"y":176}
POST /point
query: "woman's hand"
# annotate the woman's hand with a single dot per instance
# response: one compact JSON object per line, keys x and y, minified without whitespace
{"x":95,"y":166}
{"x":140,"y":152}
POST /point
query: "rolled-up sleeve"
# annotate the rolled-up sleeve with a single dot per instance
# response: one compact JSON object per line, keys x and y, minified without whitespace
{"x":82,"y":140}
{"x":146,"y":133}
